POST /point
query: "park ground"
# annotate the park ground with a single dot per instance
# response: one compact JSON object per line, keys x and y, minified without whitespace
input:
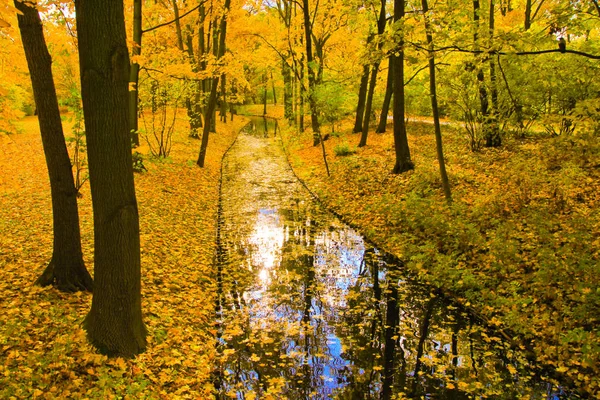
{"x":520,"y":245}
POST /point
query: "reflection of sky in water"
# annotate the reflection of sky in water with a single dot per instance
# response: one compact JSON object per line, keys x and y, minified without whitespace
{"x":338,"y":254}
{"x":285,"y":244}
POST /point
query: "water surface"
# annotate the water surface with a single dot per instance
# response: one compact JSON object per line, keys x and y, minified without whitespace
{"x":308,"y":309}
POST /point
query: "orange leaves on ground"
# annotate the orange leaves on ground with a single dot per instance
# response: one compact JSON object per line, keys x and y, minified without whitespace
{"x":43,"y":350}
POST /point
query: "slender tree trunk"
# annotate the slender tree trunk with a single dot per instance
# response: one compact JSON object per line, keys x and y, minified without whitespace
{"x":362,"y":97}
{"x":385,"y":108}
{"x":223,"y":111}
{"x":114,"y":323}
{"x":134,"y":73}
{"x":368,"y":106}
{"x":66,"y":269}
{"x":493,"y":137}
{"x":212,"y":99}
{"x":177,"y":25}
{"x":265,"y":81}
{"x":375,"y":70}
{"x":527,"y":23}
{"x":312,"y":83}
{"x":301,"y":96}
{"x":273,"y":87}
{"x":288,"y":95}
{"x":434,"y":104}
{"x":403,"y":161}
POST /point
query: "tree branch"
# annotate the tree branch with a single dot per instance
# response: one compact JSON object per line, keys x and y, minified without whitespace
{"x":175,"y":20}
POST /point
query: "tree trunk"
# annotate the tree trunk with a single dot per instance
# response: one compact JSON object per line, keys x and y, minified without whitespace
{"x":212,"y":98}
{"x":177,"y":25}
{"x":527,"y":23}
{"x":223,"y":111}
{"x":367,"y":118}
{"x":385,"y":108}
{"x":274,"y":91}
{"x":362,"y":96}
{"x":368,"y":106}
{"x":493,"y":137}
{"x":312,"y":83}
{"x":66,"y":269}
{"x":434,"y":104}
{"x":403,"y":161}
{"x":288,"y":95}
{"x":134,"y":73}
{"x":114,"y":323}
{"x":265,"y":81}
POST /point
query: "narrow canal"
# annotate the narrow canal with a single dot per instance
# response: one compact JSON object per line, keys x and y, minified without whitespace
{"x":308,"y":310}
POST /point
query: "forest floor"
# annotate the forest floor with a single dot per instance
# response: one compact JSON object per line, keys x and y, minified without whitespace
{"x":43,"y":349}
{"x":520,"y":245}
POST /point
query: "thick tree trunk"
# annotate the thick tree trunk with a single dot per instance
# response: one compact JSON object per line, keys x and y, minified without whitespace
{"x":362,"y":97}
{"x":403,"y":161}
{"x":389,"y":89}
{"x":134,"y":73}
{"x":114,"y":323}
{"x":66,"y":269}
{"x":434,"y":104}
{"x":212,"y":98}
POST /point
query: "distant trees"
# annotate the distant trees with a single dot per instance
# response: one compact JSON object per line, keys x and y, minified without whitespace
{"x":114,"y":323}
{"x":66,"y":269}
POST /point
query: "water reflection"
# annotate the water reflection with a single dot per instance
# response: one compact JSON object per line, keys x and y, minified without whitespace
{"x":309,"y":310}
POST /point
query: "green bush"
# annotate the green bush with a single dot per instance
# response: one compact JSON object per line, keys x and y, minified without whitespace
{"x":343,"y":149}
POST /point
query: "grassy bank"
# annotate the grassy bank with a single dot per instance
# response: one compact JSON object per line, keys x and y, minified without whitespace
{"x":520,"y":244}
{"x":43,"y":350}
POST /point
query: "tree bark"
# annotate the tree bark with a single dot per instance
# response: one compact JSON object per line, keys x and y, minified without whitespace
{"x":368,"y":106}
{"x":288,"y":92}
{"x":212,"y":99}
{"x":434,"y":104}
{"x":312,"y":82}
{"x":362,"y":97}
{"x":385,"y":108}
{"x":403,"y":161}
{"x":134,"y":73}
{"x":66,"y":269}
{"x":374,"y":71}
{"x":114,"y":324}
{"x":493,"y":137}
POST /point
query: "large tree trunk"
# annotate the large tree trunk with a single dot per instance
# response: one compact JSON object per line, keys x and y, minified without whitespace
{"x":403,"y":161}
{"x":389,"y":89}
{"x":362,"y":96}
{"x":66,"y":269}
{"x":212,"y":98}
{"x":114,"y":323}
{"x":134,"y":73}
{"x":434,"y":103}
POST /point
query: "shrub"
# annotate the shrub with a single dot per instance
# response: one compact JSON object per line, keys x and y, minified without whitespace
{"x":343,"y":149}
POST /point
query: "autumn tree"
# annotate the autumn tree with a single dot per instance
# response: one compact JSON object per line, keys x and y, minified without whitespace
{"x":114,"y":323}
{"x":212,"y":97}
{"x":403,"y":161}
{"x":66,"y":269}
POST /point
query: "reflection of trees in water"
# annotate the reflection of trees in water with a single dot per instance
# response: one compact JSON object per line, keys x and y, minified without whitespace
{"x":309,"y":313}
